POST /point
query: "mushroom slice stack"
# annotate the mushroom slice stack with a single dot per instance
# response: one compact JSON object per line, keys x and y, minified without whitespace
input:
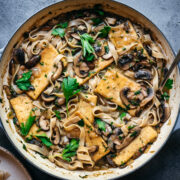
{"x":44,"y":124}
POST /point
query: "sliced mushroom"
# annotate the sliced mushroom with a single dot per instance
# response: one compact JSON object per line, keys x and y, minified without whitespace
{"x":47,"y":98}
{"x":92,"y":149}
{"x":107,"y":56}
{"x":19,"y":56}
{"x":12,"y":67}
{"x":60,"y":101}
{"x":126,"y":26}
{"x":149,"y":97}
{"x":165,"y":112}
{"x":91,"y":64}
{"x":58,"y":71}
{"x":56,"y":136}
{"x":123,"y":96}
{"x":143,"y":74}
{"x":111,"y":21}
{"x":7,"y":90}
{"x":33,"y":61}
{"x":99,"y":49}
{"x":127,"y":140}
{"x":126,"y":62}
{"x":75,"y":36}
{"x":64,"y":140}
{"x":110,"y":161}
{"x":44,"y":123}
{"x":108,"y":130}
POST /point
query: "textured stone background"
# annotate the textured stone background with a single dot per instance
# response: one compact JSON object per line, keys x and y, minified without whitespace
{"x":166,"y":15}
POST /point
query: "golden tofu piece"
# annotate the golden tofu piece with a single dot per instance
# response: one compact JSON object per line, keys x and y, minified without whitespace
{"x":40,"y":83}
{"x":122,"y":39}
{"x":22,"y":106}
{"x":111,"y":85}
{"x":99,"y":65}
{"x":86,"y":106}
{"x":147,"y":135}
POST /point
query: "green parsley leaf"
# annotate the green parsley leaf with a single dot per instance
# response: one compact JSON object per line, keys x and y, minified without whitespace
{"x":70,"y":87}
{"x":24,"y":82}
{"x":24,"y":129}
{"x":90,"y":57}
{"x":41,"y":63}
{"x":45,"y":140}
{"x":169,"y":84}
{"x":24,"y":147}
{"x":131,"y":127}
{"x":97,"y":21}
{"x":101,"y":124}
{"x":58,"y":115}
{"x":106,"y":49}
{"x":165,"y":96}
{"x":123,"y":114}
{"x":70,"y":150}
{"x":133,"y":134}
{"x":58,"y":32}
{"x":63,"y":25}
{"x":137,"y":92}
{"x":81,"y":123}
{"x":104,"y":32}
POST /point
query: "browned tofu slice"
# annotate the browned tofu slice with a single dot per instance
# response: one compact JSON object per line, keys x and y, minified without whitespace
{"x":86,"y":106}
{"x":123,"y":37}
{"x":111,"y":85}
{"x":40,"y":83}
{"x":22,"y":106}
{"x":147,"y":135}
{"x":99,"y":65}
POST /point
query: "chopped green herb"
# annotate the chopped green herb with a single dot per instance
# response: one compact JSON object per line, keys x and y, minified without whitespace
{"x":34,"y":109}
{"x":169,"y":84}
{"x":101,"y":124}
{"x":106,"y":49}
{"x":41,"y":63}
{"x":58,"y":114}
{"x":120,"y":137}
{"x":81,"y":123}
{"x":70,"y":87}
{"x":123,"y":48}
{"x":97,"y":21}
{"x":83,"y":177}
{"x":63,"y":25}
{"x":45,"y":75}
{"x":24,"y":82}
{"x":122,"y":115}
{"x":45,"y":140}
{"x":70,"y":150}
{"x":104,"y":32}
{"x":137,"y":92}
{"x":88,"y":50}
{"x":142,"y":50}
{"x":133,"y":134}
{"x":131,"y":127}
{"x":165,"y":96}
{"x":24,"y":147}
{"x":25,"y":128}
{"x":140,"y":150}
{"x":58,"y":32}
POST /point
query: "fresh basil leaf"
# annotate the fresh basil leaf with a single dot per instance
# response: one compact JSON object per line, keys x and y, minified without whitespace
{"x":45,"y":140}
{"x":70,"y":87}
{"x":58,"y":31}
{"x":24,"y":129}
{"x":104,"y":32}
{"x":169,"y":84}
{"x":58,"y":114}
{"x":24,"y":82}
{"x":101,"y":124}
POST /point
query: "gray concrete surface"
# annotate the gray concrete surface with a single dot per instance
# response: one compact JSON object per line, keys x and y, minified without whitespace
{"x":166,"y":15}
